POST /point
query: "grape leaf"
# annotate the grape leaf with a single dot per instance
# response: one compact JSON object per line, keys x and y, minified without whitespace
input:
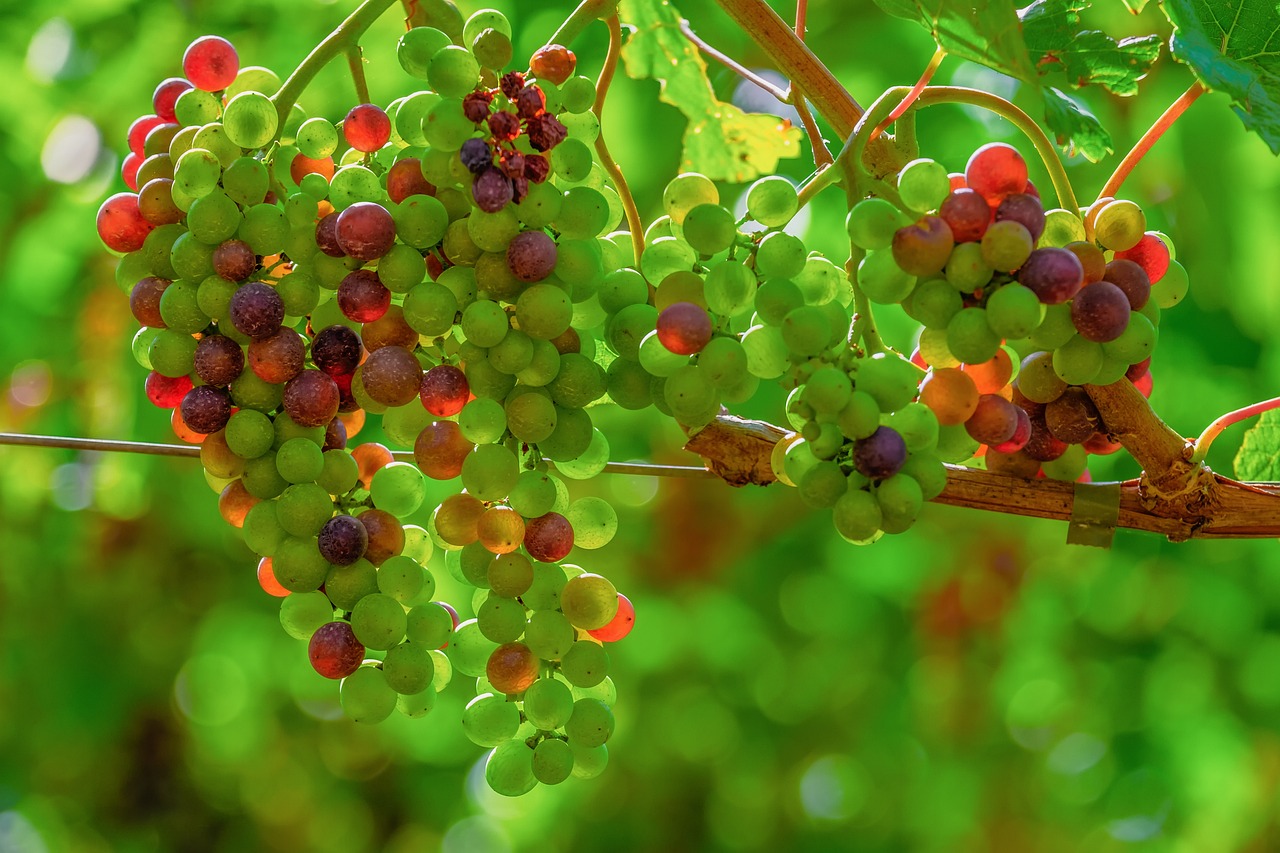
{"x":1228,"y":44}
{"x":1076,"y":129}
{"x":720,"y":140}
{"x":987,"y":32}
{"x":1259,"y":456}
{"x":1055,"y":40}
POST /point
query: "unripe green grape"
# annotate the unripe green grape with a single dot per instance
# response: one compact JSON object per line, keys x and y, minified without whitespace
{"x":1068,"y":467}
{"x":265,"y":230}
{"x":860,"y":417}
{"x":509,"y":769}
{"x":772,"y":201}
{"x":586,"y":664}
{"x":767,"y":353}
{"x":544,"y":311}
{"x":196,"y":107}
{"x":417,"y":704}
{"x":822,"y":485}
{"x":806,"y":331}
{"x":250,"y":392}
{"x":780,"y":255}
{"x":1120,"y":225}
{"x":685,"y":192}
{"x":366,"y":696}
{"x":180,"y":308}
{"x":584,"y":213}
{"x":298,"y":565}
{"x":403,"y":579}
{"x":923,"y":185}
{"x":346,"y":586}
{"x":571,"y":159}
{"x":262,"y":530}
{"x":429,"y":625}
{"x":493,"y":231}
{"x":355,"y":183}
{"x":967,"y":269}
{"x":249,"y":434}
{"x":1061,"y":227}
{"x":710,"y":228}
{"x":882,"y":280}
{"x":900,"y":499}
{"x":933,"y":303}
{"x":408,"y":668}
{"x":302,"y":613}
{"x":417,"y":46}
{"x":470,"y":649}
{"x":197,"y":172}
{"x":872,"y":223}
{"x":490,"y":720}
{"x":490,"y":472}
{"x":213,"y":218}
{"x":398,"y":488}
{"x":250,"y":120}
{"x":577,"y":96}
{"x":1055,"y":329}
{"x":890,"y":379}
{"x":501,"y":619}
{"x":970,"y":338}
{"x":299,"y":460}
{"x":299,"y":292}
{"x":589,"y":762}
{"x":172,"y":353}
{"x":541,"y":206}
{"x":1078,"y":361}
{"x":482,"y":20}
{"x":317,"y":138}
{"x":591,"y":723}
{"x":1006,"y":245}
{"x":1014,"y":311}
{"x":379,"y":621}
{"x":857,"y":517}
{"x":303,"y":508}
{"x":533,"y":494}
{"x":191,"y":258}
{"x":403,"y":424}
{"x":430,"y":308}
{"x":214,"y":138}
{"x":492,"y":49}
{"x":1172,"y":287}
{"x":254,"y":78}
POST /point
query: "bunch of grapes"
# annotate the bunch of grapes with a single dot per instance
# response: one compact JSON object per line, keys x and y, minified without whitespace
{"x":292,"y":280}
{"x":1020,"y":306}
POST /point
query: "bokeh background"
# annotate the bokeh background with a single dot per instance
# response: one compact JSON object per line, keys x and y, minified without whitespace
{"x":973,"y":685}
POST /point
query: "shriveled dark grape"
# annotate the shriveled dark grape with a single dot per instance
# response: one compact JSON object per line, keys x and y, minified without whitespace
{"x":545,"y":132}
{"x":206,"y":409}
{"x":530,"y":102}
{"x":504,"y":126}
{"x":511,"y":84}
{"x":256,"y":310}
{"x":475,"y":106}
{"x":218,"y":360}
{"x":536,"y":168}
{"x":1073,"y":417}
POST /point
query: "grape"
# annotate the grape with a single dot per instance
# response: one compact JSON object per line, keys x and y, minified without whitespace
{"x":366,"y":697}
{"x":619,"y":627}
{"x":772,"y":201}
{"x":1119,"y":225}
{"x":1100,"y":312}
{"x":590,"y":724}
{"x":967,"y":214}
{"x":444,"y":390}
{"x":336,"y":350}
{"x":453,"y":71}
{"x":922,"y":249}
{"x":166,"y":95}
{"x":1072,"y":417}
{"x":299,"y":460}
{"x":1151,"y":254}
{"x":1054,"y":275}
{"x":1130,"y":278}
{"x":1037,"y":380}
{"x":206,"y":409}
{"x":166,"y":392}
{"x":585,"y":664}
{"x":780,"y":255}
{"x":334,"y":650}
{"x":311,"y":398}
{"x":684,"y":328}
{"x":970,"y":337}
{"x":362,"y":297}
{"x":416,"y":47}
{"x":120,"y":225}
{"x":967,"y":269}
{"x":1014,"y":311}
{"x":492,"y":190}
{"x":879,"y":274}
{"x":709,"y":228}
{"x":995,"y":171}
{"x":1078,"y":361}
{"x":543,"y":311}
{"x":509,"y":769}
{"x":250,"y":120}
{"x":256,"y":310}
{"x":1024,"y":209}
{"x":531,"y":256}
{"x":993,"y":421}
{"x":144,"y":300}
{"x":553,"y":62}
{"x":881,"y":454}
{"x":343,"y":540}
{"x":873,"y":222}
{"x":366,"y":128}
{"x":1172,"y":288}
{"x":1006,"y":245}
{"x":389,"y":330}
{"x":155,"y":203}
{"x":440,"y":450}
{"x":218,"y":360}
{"x":685,"y":192}
{"x":923,"y":185}
{"x":512,"y":667}
{"x":549,"y":537}
{"x":950,"y":394}
{"x":408,"y":668}
{"x":365,"y":230}
{"x":210,"y":63}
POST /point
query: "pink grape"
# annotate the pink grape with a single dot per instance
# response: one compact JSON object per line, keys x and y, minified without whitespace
{"x":211,"y":63}
{"x":684,"y":328}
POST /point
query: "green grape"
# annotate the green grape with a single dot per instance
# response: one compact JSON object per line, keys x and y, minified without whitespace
{"x":509,"y":769}
{"x":589,"y":601}
{"x":512,"y":354}
{"x":709,"y":228}
{"x":780,"y":255}
{"x":577,"y":96}
{"x":1120,"y":225}
{"x":724,"y":362}
{"x":317,"y":138}
{"x":352,"y":184}
{"x":665,"y":256}
{"x":246,"y":181}
{"x":967,"y":268}
{"x":191,"y":258}
{"x":872,"y":223}
{"x":731,"y":289}
{"x":1113,"y":369}
{"x":172,"y":353}
{"x":542,"y":368}
{"x":923,"y":185}
{"x":492,"y":231}
{"x":857,"y":516}
{"x":421,"y":221}
{"x":970,"y":338}
{"x":366,"y":696}
{"x":490,"y":472}
{"x":510,"y":574}
{"x":405,"y":580}
{"x":254,"y":78}
{"x":685,"y":192}
{"x":579,"y":382}
{"x":1014,"y":311}
{"x":445,"y":126}
{"x":492,"y":49}
{"x":299,"y":460}
{"x":1078,"y":361}
{"x":621,"y":288}
{"x":552,"y":761}
{"x":1061,"y":227}
{"x":444,"y":669}
{"x":261,"y":478}
{"x":544,"y":592}
{"x":264,"y":228}
{"x":574,"y":445}
{"x":408,"y":668}
{"x":541,"y":206}
{"x":398,"y":488}
{"x":346,"y":586}
{"x":589,"y":762}
{"x":180,"y":308}
{"x":1172,"y":288}
{"x":531,"y":417}
{"x":585,"y":664}
{"x":828,"y":390}
{"x":430,"y":309}
{"x":533,"y":494}
{"x":776,"y":298}
{"x":262,"y":530}
{"x":890,"y":379}
{"x":1055,"y":329}
{"x":196,"y":107}
{"x":772,"y":201}
{"x":822,"y":281}
{"x":140,"y":346}
{"x":544,"y":311}
{"x":471,"y":649}
{"x":483,"y":20}
{"x":860,"y":417}
{"x":489,"y":719}
{"x":303,"y":508}
{"x":767,"y":352}
{"x":417,"y":704}
{"x":1006,"y":245}
{"x":285,"y":428}
{"x":594,"y":522}
{"x":933,"y":303}
{"x":900,"y":499}
{"x":214,"y":138}
{"x":453,"y":71}
{"x":580,"y":262}
{"x":590,"y":724}
{"x":1037,"y":379}
{"x":379,"y":621}
{"x":250,"y":120}
{"x":571,"y":159}
{"x":822,"y":484}
{"x":584,"y":213}
{"x":213,"y":218}
{"x":882,"y":280}
{"x":301,"y":613}
{"x":657,"y":359}
{"x":417,"y":46}
{"x":484,"y":323}
{"x":428,"y":625}
{"x":548,"y":704}
{"x":1068,"y":467}
{"x":806,"y":331}
{"x":1135,"y":343}
{"x":297,"y":564}
{"x":501,"y":619}
{"x":482,"y":421}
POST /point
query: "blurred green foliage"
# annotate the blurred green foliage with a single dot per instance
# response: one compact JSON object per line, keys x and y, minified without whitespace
{"x":972,"y":685}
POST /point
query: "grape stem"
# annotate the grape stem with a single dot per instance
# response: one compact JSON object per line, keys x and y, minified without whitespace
{"x":345,"y":37}
{"x":910,"y":98}
{"x":732,"y":64}
{"x":1217,"y":427}
{"x":587,"y":11}
{"x":1148,"y":139}
{"x":821,"y":153}
{"x":355,"y":60}
{"x":634,"y":224}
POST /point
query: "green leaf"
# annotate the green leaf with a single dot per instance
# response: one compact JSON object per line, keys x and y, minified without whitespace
{"x":1259,"y":456}
{"x":1228,"y":44}
{"x":984,"y":32}
{"x":720,"y":141}
{"x":1055,"y":41}
{"x":1075,"y":127}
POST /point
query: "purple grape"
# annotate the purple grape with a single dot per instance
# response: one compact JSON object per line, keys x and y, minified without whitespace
{"x":219,"y":360}
{"x":233,"y":260}
{"x":343,"y":540}
{"x":311,"y":398}
{"x":257,"y":310}
{"x":1024,"y":209}
{"x":1130,"y":278}
{"x":327,"y":236}
{"x":1054,"y":275}
{"x":476,"y":155}
{"x":365,"y":230}
{"x":336,"y":350}
{"x":880,"y":454}
{"x":1100,"y":312}
{"x":492,"y":190}
{"x":335,"y":434}
{"x":531,"y":255}
{"x":206,"y":409}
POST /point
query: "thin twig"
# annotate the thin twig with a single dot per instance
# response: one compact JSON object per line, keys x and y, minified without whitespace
{"x":1153,"y":134}
{"x":634,"y":223}
{"x":732,"y":64}
{"x":1215,"y":429}
{"x":906,"y":102}
{"x":355,"y":61}
{"x":821,"y":153}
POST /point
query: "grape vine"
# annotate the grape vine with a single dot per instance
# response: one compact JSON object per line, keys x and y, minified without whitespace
{"x":468,"y":262}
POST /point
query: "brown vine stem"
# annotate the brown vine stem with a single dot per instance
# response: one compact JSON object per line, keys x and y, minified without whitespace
{"x":634,"y":223}
{"x":1153,"y":134}
{"x":821,"y":153}
{"x":732,"y":64}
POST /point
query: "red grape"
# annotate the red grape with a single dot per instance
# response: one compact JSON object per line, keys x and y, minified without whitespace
{"x":405,"y":178}
{"x":144,"y":301}
{"x":1021,"y":434}
{"x":1054,"y":275}
{"x":219,"y":361}
{"x":922,"y":248}
{"x":444,"y":390}
{"x":545,"y":132}
{"x":994,"y":421}
{"x":206,"y":409}
{"x":166,"y":95}
{"x":311,"y":398}
{"x":336,"y":350}
{"x":129,"y":170}
{"x":366,"y":128}
{"x":1023,"y":208}
{"x":211,"y":63}
{"x":343,"y":540}
{"x":967,"y":214}
{"x":492,"y":190}
{"x":138,"y":131}
{"x":553,"y":62}
{"x":233,"y":260}
{"x":392,"y":376}
{"x":327,"y":236}
{"x":620,"y":625}
{"x":366,"y":231}
{"x":120,"y":225}
{"x":256,"y":310}
{"x":302,"y":165}
{"x":440,"y":450}
{"x":1151,"y":254}
{"x":167,"y":392}
{"x":548,"y":538}
{"x":684,"y":328}
{"x":386,"y":535}
{"x":531,"y":255}
{"x":1100,"y":312}
{"x":334,"y":650}
{"x":1132,"y":279}
{"x":996,"y":170}
{"x":362,"y":297}
{"x":279,"y":358}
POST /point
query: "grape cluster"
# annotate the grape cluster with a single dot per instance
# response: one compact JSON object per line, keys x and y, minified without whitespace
{"x":293,"y":279}
{"x":1020,"y":306}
